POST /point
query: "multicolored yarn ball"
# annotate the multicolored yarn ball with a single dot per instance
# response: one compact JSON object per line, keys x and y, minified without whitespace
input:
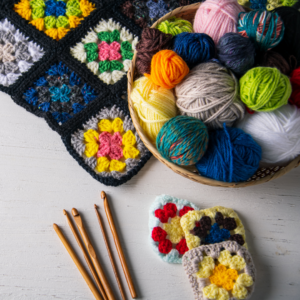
{"x":277,"y":133}
{"x":167,"y":69}
{"x":263,"y":28}
{"x":152,"y":41}
{"x":265,"y":89}
{"x":182,"y":140}
{"x":273,"y":59}
{"x":290,"y":45}
{"x":236,"y":52}
{"x":175,"y":26}
{"x":194,"y":48}
{"x":210,"y":92}
{"x":295,"y":81}
{"x":232,"y":156}
{"x":217,"y":17}
{"x":154,"y":106}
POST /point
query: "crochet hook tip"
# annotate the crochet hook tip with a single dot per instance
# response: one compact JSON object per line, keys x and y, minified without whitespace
{"x":64,"y":212}
{"x":75,"y":212}
{"x":103,"y":195}
{"x":95,"y":206}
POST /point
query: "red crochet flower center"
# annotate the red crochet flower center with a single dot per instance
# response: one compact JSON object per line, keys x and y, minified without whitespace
{"x":165,"y":246}
{"x":169,"y":211}
{"x":158,"y":234}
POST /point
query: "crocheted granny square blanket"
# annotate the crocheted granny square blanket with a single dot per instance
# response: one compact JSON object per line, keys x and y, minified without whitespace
{"x":222,"y":271}
{"x":166,"y":234}
{"x":212,"y":225}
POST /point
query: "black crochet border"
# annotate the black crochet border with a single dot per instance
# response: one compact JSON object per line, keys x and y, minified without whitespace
{"x":92,"y":111}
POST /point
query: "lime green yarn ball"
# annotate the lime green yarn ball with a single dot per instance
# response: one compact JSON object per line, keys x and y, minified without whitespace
{"x":265,"y":89}
{"x":175,"y":26}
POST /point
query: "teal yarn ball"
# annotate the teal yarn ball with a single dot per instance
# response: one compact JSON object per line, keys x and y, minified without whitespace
{"x":232,"y":156}
{"x":182,"y":140}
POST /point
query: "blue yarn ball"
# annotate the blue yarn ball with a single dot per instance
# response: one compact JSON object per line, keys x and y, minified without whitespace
{"x":182,"y":140}
{"x":236,"y":52}
{"x":232,"y":156}
{"x":194,"y":48}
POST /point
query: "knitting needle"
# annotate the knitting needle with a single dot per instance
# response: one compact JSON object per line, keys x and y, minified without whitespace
{"x":78,"y":264}
{"x":86,"y":257}
{"x":92,"y":253}
{"x":110,"y":254}
{"x":118,"y":245}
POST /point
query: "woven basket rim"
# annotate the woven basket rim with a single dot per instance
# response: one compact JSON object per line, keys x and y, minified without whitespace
{"x":184,"y":171}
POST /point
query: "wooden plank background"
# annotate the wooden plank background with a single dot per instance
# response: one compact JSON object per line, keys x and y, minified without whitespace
{"x":38,"y":179}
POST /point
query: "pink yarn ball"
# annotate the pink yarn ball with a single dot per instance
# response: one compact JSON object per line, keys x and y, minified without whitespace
{"x":217,"y":17}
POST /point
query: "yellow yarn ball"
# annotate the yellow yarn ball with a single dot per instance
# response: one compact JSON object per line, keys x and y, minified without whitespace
{"x":154,"y":106}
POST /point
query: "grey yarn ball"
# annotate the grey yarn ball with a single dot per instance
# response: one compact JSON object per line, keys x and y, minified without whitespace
{"x":210,"y":92}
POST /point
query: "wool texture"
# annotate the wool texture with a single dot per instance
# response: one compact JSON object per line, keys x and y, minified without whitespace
{"x":194,"y":48}
{"x":265,"y":89}
{"x":182,"y":140}
{"x":167,"y":69}
{"x":232,"y":156}
{"x":210,"y":92}
{"x":290,"y":46}
{"x":217,"y":17}
{"x":263,"y":28}
{"x":236,"y":52}
{"x":175,"y":26}
{"x":273,"y":59}
{"x":295,"y":81}
{"x":152,"y":41}
{"x":154,"y":106}
{"x":272,"y":4}
{"x":277,"y":132}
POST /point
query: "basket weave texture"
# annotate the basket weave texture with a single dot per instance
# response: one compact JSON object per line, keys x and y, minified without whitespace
{"x":262,"y":174}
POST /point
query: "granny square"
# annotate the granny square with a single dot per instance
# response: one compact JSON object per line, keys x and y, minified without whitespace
{"x":223,"y":271}
{"x":212,"y":225}
{"x":166,"y":234}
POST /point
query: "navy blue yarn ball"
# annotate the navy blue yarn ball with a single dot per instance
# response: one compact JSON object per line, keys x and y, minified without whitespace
{"x":236,"y":52}
{"x":194,"y":48}
{"x":232,"y":156}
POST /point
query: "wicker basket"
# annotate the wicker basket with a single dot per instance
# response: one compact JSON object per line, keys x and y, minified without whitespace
{"x":262,"y":175}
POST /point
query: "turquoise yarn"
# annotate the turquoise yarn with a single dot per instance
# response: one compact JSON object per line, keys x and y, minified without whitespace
{"x":232,"y":156}
{"x":182,"y":140}
{"x":265,"y":29}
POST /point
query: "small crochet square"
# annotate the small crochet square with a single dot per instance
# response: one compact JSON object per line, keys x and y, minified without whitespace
{"x":107,"y":50}
{"x":60,"y":92}
{"x":54,"y":17}
{"x":109,"y":146}
{"x":17,"y":53}
{"x":166,"y":234}
{"x":220,"y":271}
{"x":211,"y":226}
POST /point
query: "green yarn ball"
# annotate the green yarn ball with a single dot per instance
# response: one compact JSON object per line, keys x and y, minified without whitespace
{"x":175,"y":26}
{"x":265,"y":89}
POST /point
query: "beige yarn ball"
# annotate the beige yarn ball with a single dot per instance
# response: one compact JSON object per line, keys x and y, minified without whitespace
{"x":210,"y":92}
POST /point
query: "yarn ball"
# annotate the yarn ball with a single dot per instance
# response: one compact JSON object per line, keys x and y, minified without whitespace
{"x":263,"y":28}
{"x":217,"y":17}
{"x":210,"y":92}
{"x":167,"y":69}
{"x":277,"y":132}
{"x":273,"y":59}
{"x":182,"y":140}
{"x":175,"y":26}
{"x":295,"y":81}
{"x":194,"y":48}
{"x":154,"y":106}
{"x":290,"y":45}
{"x":265,"y":89}
{"x":272,"y":4}
{"x":236,"y":52}
{"x":232,"y":156}
{"x":152,"y":40}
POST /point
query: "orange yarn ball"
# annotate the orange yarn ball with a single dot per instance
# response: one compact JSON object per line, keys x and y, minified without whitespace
{"x":167,"y":69}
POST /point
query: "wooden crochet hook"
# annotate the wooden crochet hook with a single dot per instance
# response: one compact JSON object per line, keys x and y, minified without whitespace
{"x":118,"y":245}
{"x":86,"y":257}
{"x":92,"y":254}
{"x":110,"y":254}
{"x":78,"y":264}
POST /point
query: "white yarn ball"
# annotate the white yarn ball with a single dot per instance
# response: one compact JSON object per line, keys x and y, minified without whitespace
{"x":277,"y":132}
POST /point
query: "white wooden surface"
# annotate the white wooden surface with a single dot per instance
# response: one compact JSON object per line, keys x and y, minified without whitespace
{"x":38,"y":179}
